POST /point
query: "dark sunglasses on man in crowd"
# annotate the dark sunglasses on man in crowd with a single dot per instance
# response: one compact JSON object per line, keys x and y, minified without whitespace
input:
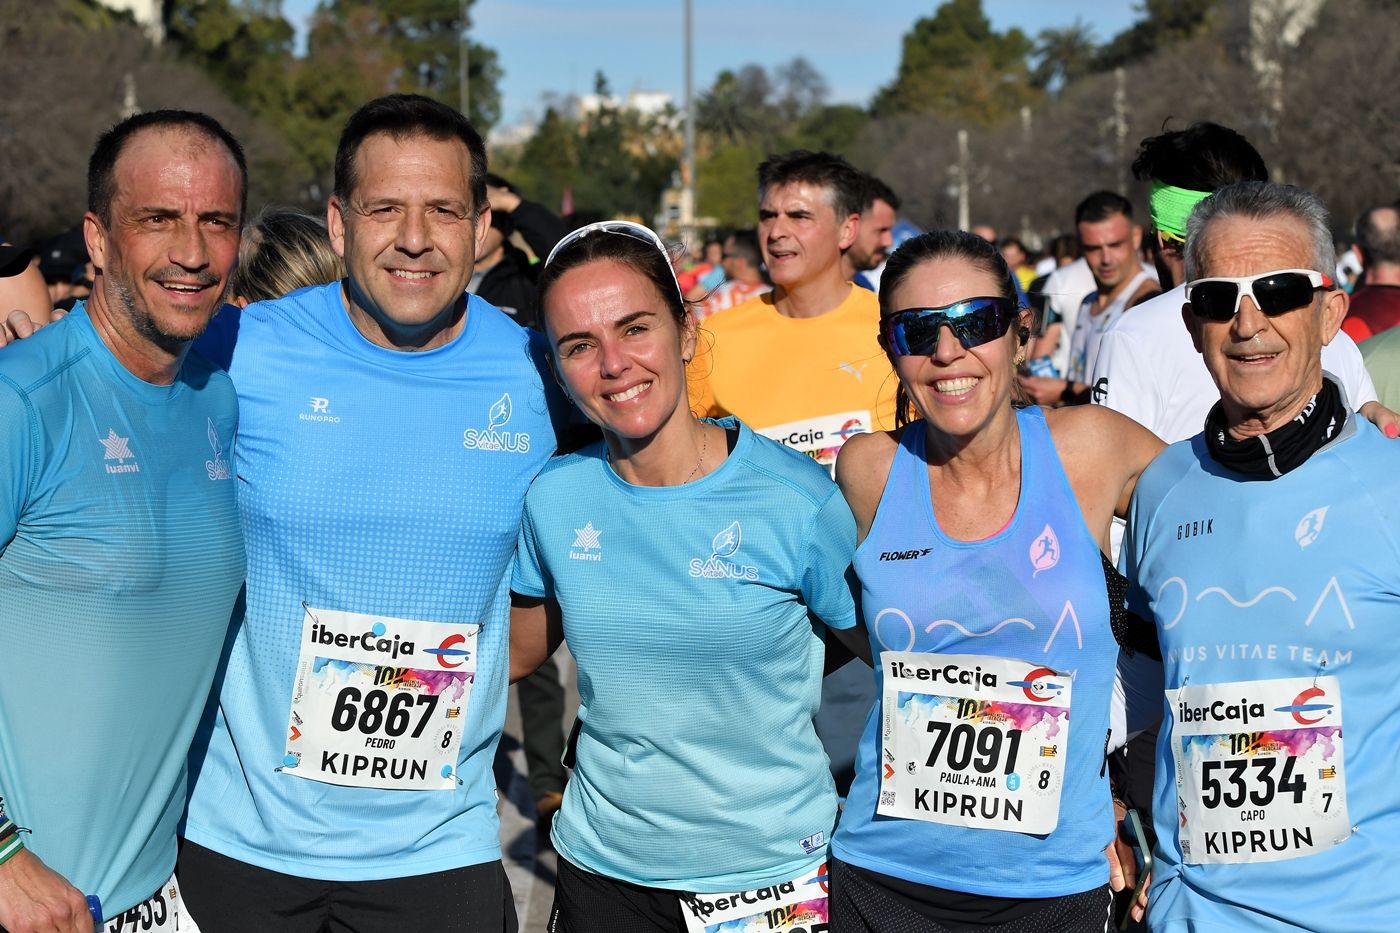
{"x":1274,"y":293}
{"x":974,"y":321}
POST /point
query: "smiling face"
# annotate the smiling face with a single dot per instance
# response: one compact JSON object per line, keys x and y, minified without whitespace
{"x":409,"y":236}
{"x":171,"y":238}
{"x":1266,"y":367}
{"x":618,"y":350}
{"x":799,"y":233}
{"x":957,"y":391}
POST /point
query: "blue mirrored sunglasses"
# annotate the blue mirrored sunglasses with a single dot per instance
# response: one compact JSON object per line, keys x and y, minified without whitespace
{"x":974,"y":321}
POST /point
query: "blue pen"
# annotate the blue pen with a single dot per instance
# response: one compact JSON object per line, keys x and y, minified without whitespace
{"x":95,"y":908}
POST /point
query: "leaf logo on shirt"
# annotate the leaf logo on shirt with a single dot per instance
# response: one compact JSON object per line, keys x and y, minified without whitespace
{"x":726,"y":543}
{"x":214,"y":440}
{"x":1045,"y":551}
{"x":499,"y":414}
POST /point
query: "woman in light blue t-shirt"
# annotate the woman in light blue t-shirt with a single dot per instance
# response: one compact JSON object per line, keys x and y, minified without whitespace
{"x":692,"y":566}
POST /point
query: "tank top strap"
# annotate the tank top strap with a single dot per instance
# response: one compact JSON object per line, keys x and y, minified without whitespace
{"x":1043,"y":477}
{"x":906,"y":487}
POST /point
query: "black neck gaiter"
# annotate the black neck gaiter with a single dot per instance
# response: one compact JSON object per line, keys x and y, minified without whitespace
{"x":1285,"y":448}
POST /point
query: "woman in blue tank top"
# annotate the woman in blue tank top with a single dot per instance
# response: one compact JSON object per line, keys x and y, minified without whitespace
{"x":692,"y":567}
{"x":980,"y":801}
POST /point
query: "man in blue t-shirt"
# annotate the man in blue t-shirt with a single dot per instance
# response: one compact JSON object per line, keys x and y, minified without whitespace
{"x":1266,"y":550}
{"x":120,"y":551}
{"x":389,"y":427}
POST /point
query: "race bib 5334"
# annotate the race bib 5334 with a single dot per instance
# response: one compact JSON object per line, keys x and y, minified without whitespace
{"x":1260,"y":773}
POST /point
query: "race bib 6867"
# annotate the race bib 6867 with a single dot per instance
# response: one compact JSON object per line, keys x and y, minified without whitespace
{"x":379,"y":702}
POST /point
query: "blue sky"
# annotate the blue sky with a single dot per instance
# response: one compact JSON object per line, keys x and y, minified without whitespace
{"x":557,"y":45}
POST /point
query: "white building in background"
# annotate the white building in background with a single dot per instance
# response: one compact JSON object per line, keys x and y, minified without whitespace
{"x":646,"y":103}
{"x":146,"y":12}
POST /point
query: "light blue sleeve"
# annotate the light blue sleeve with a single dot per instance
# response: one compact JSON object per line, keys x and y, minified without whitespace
{"x":528,"y":577}
{"x":17,"y":431}
{"x":830,"y":547}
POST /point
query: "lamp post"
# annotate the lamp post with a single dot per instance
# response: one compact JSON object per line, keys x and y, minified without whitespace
{"x":462,"y":87}
{"x":688,"y":166}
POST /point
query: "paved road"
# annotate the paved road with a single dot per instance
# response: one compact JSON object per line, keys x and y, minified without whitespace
{"x":531,"y":872}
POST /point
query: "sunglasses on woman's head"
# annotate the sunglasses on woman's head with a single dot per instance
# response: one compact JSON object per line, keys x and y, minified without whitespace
{"x":974,"y":321}
{"x":618,"y":228}
{"x":1274,"y":293}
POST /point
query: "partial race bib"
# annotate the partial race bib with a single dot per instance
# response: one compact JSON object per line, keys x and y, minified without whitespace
{"x":973,"y":740}
{"x":819,"y":438}
{"x":796,"y":906}
{"x":159,"y":913}
{"x":1259,"y":769}
{"x":379,"y":702}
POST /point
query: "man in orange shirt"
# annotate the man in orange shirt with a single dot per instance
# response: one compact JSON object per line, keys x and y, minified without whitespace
{"x":801,"y":364}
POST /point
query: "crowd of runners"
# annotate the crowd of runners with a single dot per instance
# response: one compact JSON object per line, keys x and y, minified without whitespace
{"x":1096,"y":557}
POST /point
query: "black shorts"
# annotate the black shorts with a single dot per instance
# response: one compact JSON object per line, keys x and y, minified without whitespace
{"x":868,"y":902}
{"x":224,"y":895}
{"x":589,"y":903}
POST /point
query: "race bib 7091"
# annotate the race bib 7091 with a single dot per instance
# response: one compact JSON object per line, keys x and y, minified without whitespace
{"x":973,"y":740}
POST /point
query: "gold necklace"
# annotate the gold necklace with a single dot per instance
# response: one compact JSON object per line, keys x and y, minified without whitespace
{"x":704,"y":446}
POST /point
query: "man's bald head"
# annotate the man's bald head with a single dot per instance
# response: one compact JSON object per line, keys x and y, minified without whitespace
{"x":1378,"y":236}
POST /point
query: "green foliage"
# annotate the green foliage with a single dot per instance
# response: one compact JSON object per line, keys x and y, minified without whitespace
{"x":746,"y":115}
{"x":736,"y":109}
{"x":955,"y":66}
{"x":356,"y":50}
{"x":1162,"y":22}
{"x":833,"y":129}
{"x":726,"y":186}
{"x":614,"y":161}
{"x":1063,"y":55}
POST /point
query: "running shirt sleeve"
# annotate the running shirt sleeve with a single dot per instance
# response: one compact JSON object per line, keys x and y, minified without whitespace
{"x":1122,"y":381}
{"x":1342,"y":358}
{"x":830,"y":546}
{"x":528,"y":576}
{"x":17,"y":431}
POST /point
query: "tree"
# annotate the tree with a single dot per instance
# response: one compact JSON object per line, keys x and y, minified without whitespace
{"x":245,"y":47}
{"x":419,"y":40}
{"x":801,"y":89}
{"x":737,"y":107}
{"x":1063,"y":55}
{"x":80,"y":69}
{"x":1163,"y":22}
{"x":953,"y":65}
